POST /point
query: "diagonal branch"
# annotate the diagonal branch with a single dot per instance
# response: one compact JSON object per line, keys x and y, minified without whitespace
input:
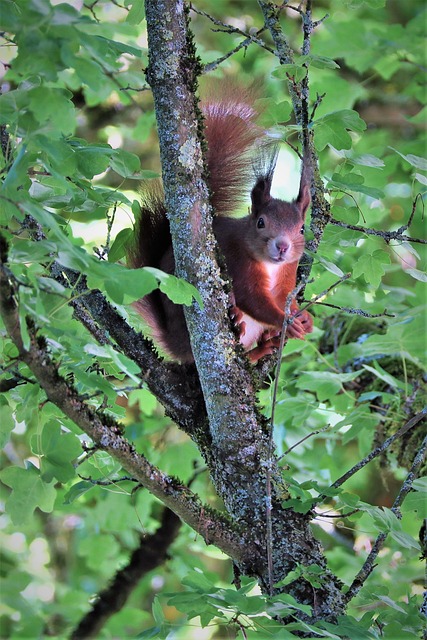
{"x":175,"y":386}
{"x":107,"y":434}
{"x":387,"y":236}
{"x":377,"y":451}
{"x":368,"y":565}
{"x":180,"y":394}
{"x":151,"y":552}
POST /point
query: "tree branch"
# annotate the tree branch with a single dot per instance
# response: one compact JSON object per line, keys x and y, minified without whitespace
{"x":387,"y":236}
{"x":380,"y":449}
{"x":176,"y":386}
{"x":369,"y":565}
{"x":299,"y":93}
{"x":151,"y":552}
{"x":239,"y":435}
{"x":106,"y":433}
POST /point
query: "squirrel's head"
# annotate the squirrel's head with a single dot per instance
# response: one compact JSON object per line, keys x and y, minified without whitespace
{"x":278,"y":226}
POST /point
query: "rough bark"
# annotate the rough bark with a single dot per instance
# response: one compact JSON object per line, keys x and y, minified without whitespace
{"x":241,"y":463}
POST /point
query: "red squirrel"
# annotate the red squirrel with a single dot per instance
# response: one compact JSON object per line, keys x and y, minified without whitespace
{"x":261,"y":250}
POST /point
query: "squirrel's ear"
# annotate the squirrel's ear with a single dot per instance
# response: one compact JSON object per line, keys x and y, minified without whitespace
{"x":260,"y":194}
{"x":304,"y":198}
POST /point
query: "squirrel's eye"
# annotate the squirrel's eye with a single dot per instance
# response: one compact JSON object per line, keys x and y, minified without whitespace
{"x":260,"y":223}
{"x":302,"y":229}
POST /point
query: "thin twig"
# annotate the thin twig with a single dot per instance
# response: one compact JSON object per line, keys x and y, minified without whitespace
{"x":316,"y":298}
{"x":249,"y":38}
{"x":108,"y":483}
{"x":368,"y":565}
{"x":387,"y":236}
{"x":358,"y":312}
{"x":378,"y":450}
{"x":309,"y":435}
{"x":269,"y":524}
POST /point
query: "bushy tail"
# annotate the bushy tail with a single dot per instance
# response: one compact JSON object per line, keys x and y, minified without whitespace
{"x":232,"y":136}
{"x":152,"y":236}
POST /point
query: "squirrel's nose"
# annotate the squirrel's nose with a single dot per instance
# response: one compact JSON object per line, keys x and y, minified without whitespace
{"x":282,"y":245}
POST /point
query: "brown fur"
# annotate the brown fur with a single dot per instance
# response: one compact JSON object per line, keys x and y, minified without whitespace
{"x":261,"y":250}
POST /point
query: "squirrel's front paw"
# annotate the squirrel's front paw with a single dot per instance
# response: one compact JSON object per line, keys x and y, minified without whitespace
{"x":270,"y":337}
{"x":236,"y":317}
{"x":302,"y":323}
{"x":306,"y":321}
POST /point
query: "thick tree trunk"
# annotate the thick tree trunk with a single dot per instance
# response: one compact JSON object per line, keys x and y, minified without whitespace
{"x":237,"y":446}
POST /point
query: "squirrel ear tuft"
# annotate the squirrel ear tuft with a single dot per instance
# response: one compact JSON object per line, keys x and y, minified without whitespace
{"x":263,"y":164}
{"x":304,"y":198}
{"x":260,"y":194}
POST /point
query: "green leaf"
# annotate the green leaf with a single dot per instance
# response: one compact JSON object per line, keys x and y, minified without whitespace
{"x":420,"y":484}
{"x":157,"y":610}
{"x":390,"y":380}
{"x":367,"y":160}
{"x":299,"y":506}
{"x":176,"y":289}
{"x":77,"y":490}
{"x":29,"y":492}
{"x":136,"y":13}
{"x":121,"y":243}
{"x":7,"y":423}
{"x":391,"y":603}
{"x":92,"y":159}
{"x":405,"y":540}
{"x":416,"y":503}
{"x":104,"y":464}
{"x":11,"y":104}
{"x":180,"y":292}
{"x":417,"y":274}
{"x":198,"y":581}
{"x":286,"y":601}
{"x":146,"y":400}
{"x":421,"y":179}
{"x":321,"y":62}
{"x":330,"y":266}
{"x":53,"y":105}
{"x":295,"y":71}
{"x":324,"y":383}
{"x":57,"y":450}
{"x":404,"y":338}
{"x":273,"y":113}
{"x":371,"y":267}
{"x":415,"y":161}
{"x":125,"y":164}
{"x":348,"y":627}
{"x":124,"y":364}
{"x":119,"y":282}
{"x":350,"y":215}
{"x":353,"y":182}
{"x":333,"y":128}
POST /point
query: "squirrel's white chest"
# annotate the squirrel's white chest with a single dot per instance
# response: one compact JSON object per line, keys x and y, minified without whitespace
{"x":253,"y":328}
{"x":253,"y":331}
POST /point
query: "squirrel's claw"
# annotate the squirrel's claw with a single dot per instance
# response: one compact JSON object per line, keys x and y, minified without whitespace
{"x":236,"y":316}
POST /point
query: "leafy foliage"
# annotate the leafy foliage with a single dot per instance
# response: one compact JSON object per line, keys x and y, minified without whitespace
{"x":78,"y":128}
